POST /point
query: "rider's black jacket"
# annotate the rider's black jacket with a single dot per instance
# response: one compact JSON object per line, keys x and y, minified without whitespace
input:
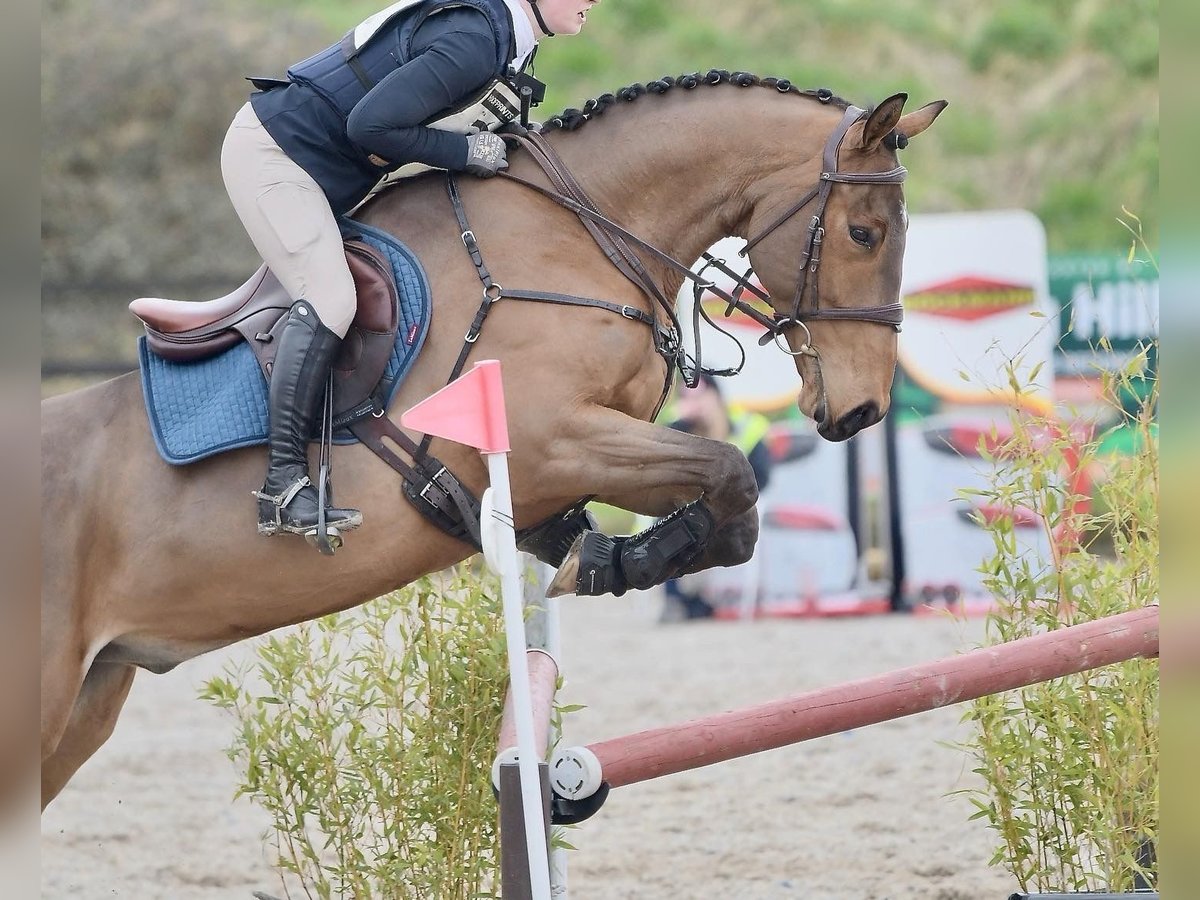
{"x":424,"y":65}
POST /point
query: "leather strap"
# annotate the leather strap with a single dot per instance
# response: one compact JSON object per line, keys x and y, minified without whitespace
{"x":890,"y":314}
{"x":571,"y":196}
{"x":617,"y":251}
{"x":433,"y":490}
{"x":628,"y":312}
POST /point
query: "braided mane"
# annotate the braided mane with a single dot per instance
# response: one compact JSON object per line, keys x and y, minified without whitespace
{"x":572,"y":119}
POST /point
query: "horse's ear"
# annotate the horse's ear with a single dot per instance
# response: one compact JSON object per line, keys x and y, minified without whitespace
{"x":920,"y":119}
{"x":882,"y":120}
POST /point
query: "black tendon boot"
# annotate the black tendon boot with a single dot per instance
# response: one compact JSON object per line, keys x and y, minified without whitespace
{"x":288,"y":500}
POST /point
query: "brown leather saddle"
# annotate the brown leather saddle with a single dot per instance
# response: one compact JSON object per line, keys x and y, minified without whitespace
{"x":184,"y":330}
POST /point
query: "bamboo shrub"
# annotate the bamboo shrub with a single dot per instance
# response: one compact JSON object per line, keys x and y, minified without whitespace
{"x":368,"y":737}
{"x":1070,"y":767}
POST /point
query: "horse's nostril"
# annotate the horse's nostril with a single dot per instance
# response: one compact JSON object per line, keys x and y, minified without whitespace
{"x":862,"y":416}
{"x":819,"y":412}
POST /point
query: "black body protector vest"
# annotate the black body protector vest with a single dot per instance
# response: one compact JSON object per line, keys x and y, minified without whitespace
{"x":343,"y":73}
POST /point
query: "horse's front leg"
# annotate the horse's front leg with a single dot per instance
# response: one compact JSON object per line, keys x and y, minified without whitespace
{"x":705,"y":490}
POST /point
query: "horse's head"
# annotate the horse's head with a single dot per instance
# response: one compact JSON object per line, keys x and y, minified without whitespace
{"x":830,"y":256}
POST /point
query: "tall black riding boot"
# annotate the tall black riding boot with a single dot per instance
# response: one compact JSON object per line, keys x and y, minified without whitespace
{"x":288,"y":500}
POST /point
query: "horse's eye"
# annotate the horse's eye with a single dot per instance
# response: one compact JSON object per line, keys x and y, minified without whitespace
{"x":860,"y":235}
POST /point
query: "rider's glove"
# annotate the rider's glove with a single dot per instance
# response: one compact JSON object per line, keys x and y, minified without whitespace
{"x":485,"y":154}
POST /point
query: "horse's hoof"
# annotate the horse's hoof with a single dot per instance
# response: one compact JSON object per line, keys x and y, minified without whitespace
{"x":566,"y":579}
{"x":261,"y":895}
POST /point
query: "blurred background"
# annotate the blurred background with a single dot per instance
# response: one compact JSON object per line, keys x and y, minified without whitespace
{"x":1054,"y":109}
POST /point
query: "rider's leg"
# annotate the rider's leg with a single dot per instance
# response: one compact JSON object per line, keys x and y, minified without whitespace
{"x":287,"y":216}
{"x":289,"y":220}
{"x":288,"y":500}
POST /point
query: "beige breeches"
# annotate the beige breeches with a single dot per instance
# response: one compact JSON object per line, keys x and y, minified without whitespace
{"x":289,"y":220}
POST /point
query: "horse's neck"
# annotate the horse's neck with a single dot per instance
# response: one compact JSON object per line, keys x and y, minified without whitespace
{"x":684,"y":171}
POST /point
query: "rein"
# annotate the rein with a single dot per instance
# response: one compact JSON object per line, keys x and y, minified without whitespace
{"x":612,"y":237}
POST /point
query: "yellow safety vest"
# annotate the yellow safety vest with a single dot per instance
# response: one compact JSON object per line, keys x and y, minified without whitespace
{"x":747,"y":429}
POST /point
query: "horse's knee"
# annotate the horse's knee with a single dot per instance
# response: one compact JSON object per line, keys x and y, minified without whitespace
{"x":743,"y":537}
{"x":734,"y":486}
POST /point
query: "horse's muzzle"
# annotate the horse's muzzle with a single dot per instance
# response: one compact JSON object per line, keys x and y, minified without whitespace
{"x":862,"y":416}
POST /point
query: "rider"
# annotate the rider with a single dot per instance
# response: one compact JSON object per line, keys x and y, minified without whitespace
{"x":416,"y":82}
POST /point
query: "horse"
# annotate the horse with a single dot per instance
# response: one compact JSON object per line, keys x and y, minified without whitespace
{"x":147,"y":565}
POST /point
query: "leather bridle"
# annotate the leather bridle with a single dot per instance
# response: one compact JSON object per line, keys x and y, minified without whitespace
{"x":434,"y":489}
{"x":612,"y":238}
{"x":890,"y":314}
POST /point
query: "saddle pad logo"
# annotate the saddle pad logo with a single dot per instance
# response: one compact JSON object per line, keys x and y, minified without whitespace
{"x":969,"y":298}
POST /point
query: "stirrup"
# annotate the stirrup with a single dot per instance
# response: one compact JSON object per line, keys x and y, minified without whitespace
{"x":279,"y":501}
{"x":311,"y":532}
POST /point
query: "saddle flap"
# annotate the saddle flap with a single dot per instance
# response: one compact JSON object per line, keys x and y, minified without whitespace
{"x":376,"y":288}
{"x":365,"y":352}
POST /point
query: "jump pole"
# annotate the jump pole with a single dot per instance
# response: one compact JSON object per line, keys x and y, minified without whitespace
{"x":578,"y":772}
{"x":543,"y":678}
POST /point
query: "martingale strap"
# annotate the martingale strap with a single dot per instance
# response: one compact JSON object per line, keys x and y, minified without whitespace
{"x":428,"y":484}
{"x":494,"y":292}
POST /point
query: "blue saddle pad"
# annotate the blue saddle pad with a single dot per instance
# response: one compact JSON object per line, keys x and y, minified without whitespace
{"x":198,"y":409}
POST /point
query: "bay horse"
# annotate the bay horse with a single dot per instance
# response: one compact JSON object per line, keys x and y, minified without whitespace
{"x":147,"y":565}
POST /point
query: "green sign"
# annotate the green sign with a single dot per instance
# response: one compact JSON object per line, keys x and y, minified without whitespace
{"x":1108,"y":307}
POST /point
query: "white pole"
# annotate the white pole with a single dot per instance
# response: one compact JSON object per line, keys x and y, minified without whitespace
{"x":514,"y":627}
{"x":553,"y":640}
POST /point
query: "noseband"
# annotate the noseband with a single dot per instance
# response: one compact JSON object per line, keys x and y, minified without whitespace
{"x":890,"y":314}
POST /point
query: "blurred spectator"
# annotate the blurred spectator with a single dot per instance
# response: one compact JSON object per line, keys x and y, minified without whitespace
{"x":702,"y":411}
